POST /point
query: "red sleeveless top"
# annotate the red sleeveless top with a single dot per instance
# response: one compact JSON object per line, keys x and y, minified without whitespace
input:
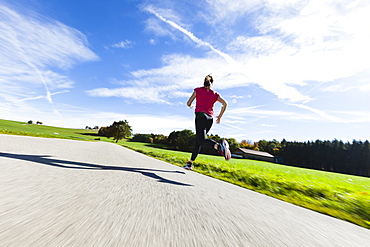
{"x":205,"y":100}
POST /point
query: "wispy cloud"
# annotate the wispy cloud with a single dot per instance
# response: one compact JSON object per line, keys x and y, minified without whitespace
{"x":261,"y":112}
{"x":45,"y":42}
{"x":365,"y":88}
{"x":151,"y":95}
{"x":126,"y":44}
{"x":43,"y":96}
{"x":321,"y":113}
{"x":228,"y":58}
{"x":31,"y":45}
{"x":298,"y":41}
{"x":284,"y":54}
{"x":272,"y":61}
{"x":355,"y":116}
{"x":307,"y":40}
{"x":180,"y":73}
{"x":278,"y":88}
{"x":140,"y":121}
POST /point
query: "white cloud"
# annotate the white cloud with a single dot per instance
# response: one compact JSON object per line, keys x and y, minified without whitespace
{"x":123,"y":44}
{"x":229,"y":59}
{"x":151,"y":95}
{"x":31,"y":46}
{"x":339,"y":88}
{"x":234,"y":73}
{"x":237,"y":96}
{"x":40,"y":41}
{"x":77,"y":117}
{"x":296,"y":42}
{"x":322,"y":113}
{"x":179,"y":75}
{"x":245,"y":113}
{"x":365,"y":88}
{"x":154,"y":25}
{"x":304,"y":40}
{"x":257,"y":46}
{"x":358,"y":82}
{"x":355,"y":116}
{"x":222,"y":12}
{"x":268,"y":125}
{"x":139,"y":122}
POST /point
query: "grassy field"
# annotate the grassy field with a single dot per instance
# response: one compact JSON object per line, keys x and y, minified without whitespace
{"x":342,"y":196}
{"x":25,"y":129}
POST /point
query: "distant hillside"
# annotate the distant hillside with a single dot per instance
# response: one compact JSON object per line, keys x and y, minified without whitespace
{"x":23,"y":128}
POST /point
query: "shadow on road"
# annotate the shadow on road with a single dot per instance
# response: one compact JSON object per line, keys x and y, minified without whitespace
{"x":45,"y":160}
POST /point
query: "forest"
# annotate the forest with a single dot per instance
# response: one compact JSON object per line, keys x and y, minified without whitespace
{"x":336,"y":156}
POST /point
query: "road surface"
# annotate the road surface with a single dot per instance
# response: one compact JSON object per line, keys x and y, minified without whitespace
{"x":74,"y":193}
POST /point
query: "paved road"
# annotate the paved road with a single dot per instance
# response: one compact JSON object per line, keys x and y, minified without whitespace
{"x":72,"y":193}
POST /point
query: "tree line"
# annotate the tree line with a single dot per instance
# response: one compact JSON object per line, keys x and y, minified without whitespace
{"x":335,"y":156}
{"x":182,"y":141}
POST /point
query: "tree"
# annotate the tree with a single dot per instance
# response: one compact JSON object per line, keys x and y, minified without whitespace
{"x":121,"y":130}
{"x":118,"y":130}
{"x":271,"y":147}
{"x":249,"y":144}
{"x":171,"y":139}
{"x":232,"y":143}
{"x":216,"y":138}
{"x":105,"y":131}
{"x":185,"y":140}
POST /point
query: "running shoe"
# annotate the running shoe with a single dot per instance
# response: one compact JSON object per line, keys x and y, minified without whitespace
{"x":188,"y":166}
{"x":223,"y":149}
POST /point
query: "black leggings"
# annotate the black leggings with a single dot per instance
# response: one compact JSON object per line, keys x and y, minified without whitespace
{"x":203,"y":123}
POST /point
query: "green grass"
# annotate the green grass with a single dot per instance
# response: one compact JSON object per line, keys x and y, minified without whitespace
{"x":342,"y":196}
{"x":25,"y":129}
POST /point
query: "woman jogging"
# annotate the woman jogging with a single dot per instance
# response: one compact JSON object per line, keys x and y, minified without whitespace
{"x":205,"y":99}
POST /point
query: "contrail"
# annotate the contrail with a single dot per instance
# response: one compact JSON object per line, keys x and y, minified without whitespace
{"x":34,"y":67}
{"x":42,"y":96}
{"x":236,"y":64}
{"x":48,"y":93}
{"x":228,"y":58}
{"x":321,"y":113}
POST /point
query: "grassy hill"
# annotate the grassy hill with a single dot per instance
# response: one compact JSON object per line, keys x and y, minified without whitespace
{"x":25,"y":129}
{"x":343,"y":196}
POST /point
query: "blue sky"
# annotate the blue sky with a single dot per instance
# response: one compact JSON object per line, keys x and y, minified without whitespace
{"x":293,"y":69}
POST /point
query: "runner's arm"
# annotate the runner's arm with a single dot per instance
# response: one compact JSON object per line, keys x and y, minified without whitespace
{"x":223,"y":108}
{"x":191,"y":99}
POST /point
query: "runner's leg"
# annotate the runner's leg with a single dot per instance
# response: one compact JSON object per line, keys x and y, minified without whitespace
{"x":203,"y":124}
